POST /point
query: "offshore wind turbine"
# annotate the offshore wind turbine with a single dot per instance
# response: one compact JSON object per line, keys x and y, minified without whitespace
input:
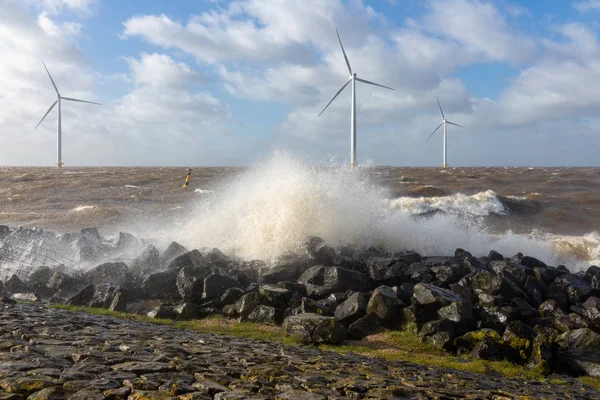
{"x":353,"y":78}
{"x":59,"y":162}
{"x":444,"y":122}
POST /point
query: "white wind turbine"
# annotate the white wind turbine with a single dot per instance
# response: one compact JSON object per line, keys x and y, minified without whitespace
{"x":444,"y":122}
{"x":59,"y":162}
{"x":353,"y":78}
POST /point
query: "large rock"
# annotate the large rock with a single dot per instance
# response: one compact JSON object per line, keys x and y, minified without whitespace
{"x":580,"y":349}
{"x":190,"y":282}
{"x":114,"y":273}
{"x":388,"y":273}
{"x":15,"y":285}
{"x":265,"y":314}
{"x":289,"y":271}
{"x":543,"y":350}
{"x":518,"y":340}
{"x":246,"y":304}
{"x":367,"y":325}
{"x":313,"y":275}
{"x":386,"y":306}
{"x":352,"y":309}
{"x":172,"y":251}
{"x":313,"y":328}
{"x":147,"y":262}
{"x":339,"y":279}
{"x":275,"y":296}
{"x":569,"y":289}
{"x":190,"y":259}
{"x":215,"y":286}
{"x":485,"y":344}
{"x":592,"y":311}
{"x":83,"y":298}
{"x":439,"y":334}
{"x":161,"y":285}
{"x":38,"y":281}
{"x":429,"y":295}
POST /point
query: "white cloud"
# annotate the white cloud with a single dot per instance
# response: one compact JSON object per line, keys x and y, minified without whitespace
{"x":160,"y":70}
{"x":585,"y":6}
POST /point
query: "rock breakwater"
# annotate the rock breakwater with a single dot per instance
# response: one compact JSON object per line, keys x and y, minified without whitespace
{"x":489,"y":307}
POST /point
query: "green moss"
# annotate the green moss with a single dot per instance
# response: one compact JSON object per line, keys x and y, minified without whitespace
{"x":591,"y":380}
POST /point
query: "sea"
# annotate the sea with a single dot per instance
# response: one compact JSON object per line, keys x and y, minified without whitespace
{"x":268,"y":210}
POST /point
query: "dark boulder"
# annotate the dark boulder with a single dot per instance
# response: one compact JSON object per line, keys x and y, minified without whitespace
{"x":215,"y":286}
{"x":272,"y":295}
{"x":518,"y":339}
{"x":459,"y":311}
{"x":386,"y":306}
{"x":367,"y":325}
{"x":448,"y":274}
{"x":352,"y":309}
{"x":83,"y":298}
{"x":313,"y":328}
{"x":324,"y":307}
{"x":522,"y":308}
{"x":313,"y":275}
{"x":536,"y":290}
{"x":429,"y":295}
{"x":570,"y":322}
{"x":339,"y":279}
{"x":545,"y":275}
{"x":473,"y":264}
{"x":217,"y":259}
{"x":543,"y":350}
{"x":230,"y":296}
{"x":485,"y":344}
{"x":161,"y":285}
{"x":289,"y":271}
{"x":495,"y":256}
{"x":405,"y":292}
{"x":265,"y":314}
{"x":187,"y":311}
{"x":246,"y":304}
{"x":38,"y":281}
{"x":326,"y":255}
{"x":438,"y":333}
{"x":190,"y":282}
{"x":15,"y":285}
{"x":532,"y":262}
{"x":147,"y":262}
{"x":591,"y":311}
{"x":103,"y":296}
{"x":569,"y":289}
{"x":382,"y":273}
{"x":162,"y":312}
{"x":518,"y":273}
{"x":190,"y":259}
{"x":418,"y":272}
{"x":550,"y":308}
{"x":171,"y":252}
{"x":114,"y":273}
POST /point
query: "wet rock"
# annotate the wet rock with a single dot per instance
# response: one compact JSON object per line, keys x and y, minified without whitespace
{"x":405,"y":292}
{"x":448,"y":274}
{"x":385,"y":305}
{"x":439,"y":333}
{"x":163,"y":312}
{"x":323,"y":307}
{"x":190,"y":282}
{"x":352,"y":309}
{"x":457,"y":311}
{"x":326,"y":255}
{"x":485,"y":344}
{"x":187,"y":311}
{"x":532,"y":262}
{"x":550,"y":308}
{"x":215,"y":286}
{"x":473,"y":264}
{"x":518,"y":340}
{"x":522,"y":308}
{"x":495,"y":256}
{"x":217,"y":259}
{"x":385,"y":273}
{"x":38,"y":281}
{"x":536,"y":290}
{"x":569,"y":289}
{"x":246,"y":304}
{"x":426,"y":294}
{"x":15,"y":285}
{"x":517,"y":273}
{"x":572,"y":321}
{"x":266,"y":314}
{"x":338,"y":279}
{"x":230,"y":296}
{"x":285,"y":272}
{"x":83,"y":298}
{"x":273,"y":295}
{"x":545,"y":275}
{"x":418,"y":272}
{"x":367,"y":325}
{"x":147,"y":262}
{"x":173,"y":251}
{"x":28,"y":297}
{"x":161,"y":285}
{"x":592,"y":311}
{"x":543,"y":350}
{"x":313,"y":328}
{"x":114,"y":273}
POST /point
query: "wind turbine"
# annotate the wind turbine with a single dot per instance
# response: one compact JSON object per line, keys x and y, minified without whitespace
{"x":59,"y":162}
{"x":353,"y":78}
{"x":444,"y":122}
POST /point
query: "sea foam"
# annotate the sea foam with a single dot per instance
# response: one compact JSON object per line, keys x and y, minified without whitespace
{"x":270,"y":209}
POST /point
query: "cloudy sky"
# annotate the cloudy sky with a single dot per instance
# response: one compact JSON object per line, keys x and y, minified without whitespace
{"x":209,"y":82}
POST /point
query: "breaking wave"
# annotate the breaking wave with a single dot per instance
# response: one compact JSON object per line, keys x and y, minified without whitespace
{"x":271,"y":209}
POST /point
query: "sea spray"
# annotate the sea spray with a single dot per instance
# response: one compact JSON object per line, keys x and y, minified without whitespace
{"x":271,"y":209}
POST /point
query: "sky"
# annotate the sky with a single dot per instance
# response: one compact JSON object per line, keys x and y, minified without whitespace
{"x":215,"y":82}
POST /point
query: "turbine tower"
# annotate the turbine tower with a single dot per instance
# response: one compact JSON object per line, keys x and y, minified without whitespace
{"x":444,"y":122}
{"x":353,"y":78}
{"x":59,"y":162}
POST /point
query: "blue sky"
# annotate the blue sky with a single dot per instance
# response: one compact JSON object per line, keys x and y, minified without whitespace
{"x":226,"y":82}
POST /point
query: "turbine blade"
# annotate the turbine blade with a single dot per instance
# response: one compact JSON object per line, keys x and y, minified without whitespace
{"x":336,"y":95}
{"x":52,"y":80}
{"x":343,"y":51}
{"x":81,"y":101}
{"x":452,"y":123}
{"x":441,"y":108}
{"x":435,"y":131}
{"x":373,"y":83}
{"x":47,"y":112}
